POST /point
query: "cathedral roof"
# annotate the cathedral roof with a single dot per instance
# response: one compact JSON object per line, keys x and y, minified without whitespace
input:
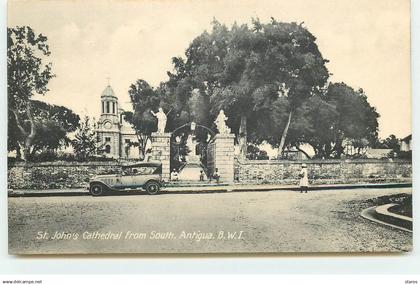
{"x":108,"y":92}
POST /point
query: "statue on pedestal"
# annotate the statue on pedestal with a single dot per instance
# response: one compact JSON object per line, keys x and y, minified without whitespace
{"x":191,"y":144}
{"x":221,"y":123}
{"x":161,"y":117}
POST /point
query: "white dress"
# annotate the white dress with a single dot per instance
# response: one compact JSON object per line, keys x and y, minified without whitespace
{"x":304,"y":180}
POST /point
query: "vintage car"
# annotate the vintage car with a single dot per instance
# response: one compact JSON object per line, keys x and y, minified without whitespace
{"x":140,"y":176}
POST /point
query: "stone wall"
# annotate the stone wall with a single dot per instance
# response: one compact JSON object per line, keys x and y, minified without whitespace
{"x":324,"y":171}
{"x":56,"y":175}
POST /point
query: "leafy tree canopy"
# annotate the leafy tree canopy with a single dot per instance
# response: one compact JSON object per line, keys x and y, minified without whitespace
{"x":272,"y":82}
{"x":258,"y":72}
{"x":53,"y":124}
{"x":27,"y":75}
{"x":340,"y":114}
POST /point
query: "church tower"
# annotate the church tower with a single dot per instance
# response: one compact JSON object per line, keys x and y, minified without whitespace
{"x":108,"y":124}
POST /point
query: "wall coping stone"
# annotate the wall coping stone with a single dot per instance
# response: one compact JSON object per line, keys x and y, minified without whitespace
{"x":164,"y":135}
{"x":331,"y":161}
{"x":69,"y":164}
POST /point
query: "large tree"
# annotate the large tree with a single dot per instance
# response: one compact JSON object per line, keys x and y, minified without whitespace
{"x":271,"y":81}
{"x":144,"y":100}
{"x":27,"y":75}
{"x":327,"y":120}
{"x":264,"y":72}
{"x":53,"y":124}
{"x":314,"y":125}
{"x":356,"y":120}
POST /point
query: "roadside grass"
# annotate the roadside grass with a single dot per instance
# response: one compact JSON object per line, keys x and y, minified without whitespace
{"x":403,"y":200}
{"x":405,"y":205}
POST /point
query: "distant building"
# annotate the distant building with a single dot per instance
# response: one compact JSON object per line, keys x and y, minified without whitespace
{"x":372,"y":153}
{"x":293,"y":154}
{"x":364,"y":151}
{"x":114,"y":133}
{"x":406,"y":143}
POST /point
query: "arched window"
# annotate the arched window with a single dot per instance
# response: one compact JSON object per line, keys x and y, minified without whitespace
{"x":103,"y":107}
{"x":107,"y":149}
{"x":113,"y":107}
{"x":107,"y":107}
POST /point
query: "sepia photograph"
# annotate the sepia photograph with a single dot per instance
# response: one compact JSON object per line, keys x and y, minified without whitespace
{"x":219,"y":127}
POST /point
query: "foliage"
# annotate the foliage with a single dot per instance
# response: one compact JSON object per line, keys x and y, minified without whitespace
{"x":255,"y":153}
{"x":52,"y":124}
{"x":260,"y":72}
{"x":144,"y":99}
{"x":54,"y":156}
{"x":27,"y":75}
{"x":51,"y":156}
{"x":85,"y":143}
{"x":391,"y":142}
{"x":357,"y":118}
{"x":271,"y":81}
{"x":339,"y":116}
{"x":45,"y":156}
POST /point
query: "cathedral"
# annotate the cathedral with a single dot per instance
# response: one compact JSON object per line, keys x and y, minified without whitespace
{"x":114,"y":133}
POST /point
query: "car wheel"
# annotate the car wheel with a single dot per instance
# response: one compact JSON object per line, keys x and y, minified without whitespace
{"x":152,"y":187}
{"x":96,"y":190}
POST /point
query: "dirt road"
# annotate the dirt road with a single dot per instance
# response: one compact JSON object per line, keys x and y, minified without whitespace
{"x":274,"y":221}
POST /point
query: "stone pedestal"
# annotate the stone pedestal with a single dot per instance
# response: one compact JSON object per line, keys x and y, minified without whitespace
{"x":220,"y":155}
{"x":192,"y":169}
{"x":161,"y":151}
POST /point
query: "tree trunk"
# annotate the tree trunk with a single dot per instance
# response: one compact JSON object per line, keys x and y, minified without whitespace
{"x":339,"y":147}
{"x":18,"y":152}
{"x":316,"y":149}
{"x":243,"y":135}
{"x":328,"y":151}
{"x":306,"y":154}
{"x":29,"y":139}
{"x":143,"y":139}
{"x":142,"y":150}
{"x":27,"y":147}
{"x":283,"y":136}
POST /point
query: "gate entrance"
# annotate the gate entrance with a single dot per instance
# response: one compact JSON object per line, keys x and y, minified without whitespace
{"x":189,"y":158}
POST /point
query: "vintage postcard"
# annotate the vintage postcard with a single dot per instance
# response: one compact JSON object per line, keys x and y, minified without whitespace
{"x":209,"y":126}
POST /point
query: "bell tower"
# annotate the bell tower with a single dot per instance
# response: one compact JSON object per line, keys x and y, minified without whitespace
{"x":108,"y":124}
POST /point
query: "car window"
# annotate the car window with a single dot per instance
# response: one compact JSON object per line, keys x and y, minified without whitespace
{"x":143,"y":171}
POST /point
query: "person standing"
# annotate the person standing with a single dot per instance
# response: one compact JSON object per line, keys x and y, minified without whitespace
{"x":174,"y":175}
{"x":304,"y":182}
{"x":216,"y":175}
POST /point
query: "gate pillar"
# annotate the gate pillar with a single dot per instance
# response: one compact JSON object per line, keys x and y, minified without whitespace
{"x":220,"y":155}
{"x":161,"y":151}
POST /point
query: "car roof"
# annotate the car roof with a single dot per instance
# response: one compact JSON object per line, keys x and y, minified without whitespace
{"x":143,"y":164}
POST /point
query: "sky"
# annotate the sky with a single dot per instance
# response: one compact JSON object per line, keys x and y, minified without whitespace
{"x":367,"y":43}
